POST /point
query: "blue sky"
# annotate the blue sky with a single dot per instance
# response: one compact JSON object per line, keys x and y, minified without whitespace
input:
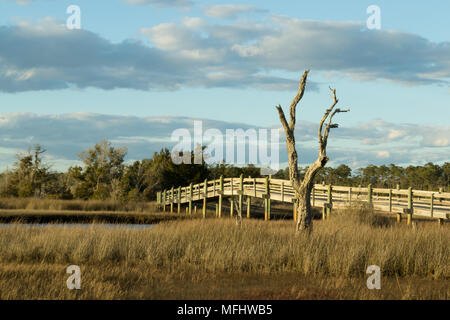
{"x":229,"y":61}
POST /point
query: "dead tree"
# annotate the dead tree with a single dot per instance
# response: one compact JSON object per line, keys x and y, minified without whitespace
{"x":304,"y":187}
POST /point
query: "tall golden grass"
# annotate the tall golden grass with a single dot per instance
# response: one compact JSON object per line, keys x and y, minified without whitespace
{"x":162,"y":261}
{"x":75,"y":205}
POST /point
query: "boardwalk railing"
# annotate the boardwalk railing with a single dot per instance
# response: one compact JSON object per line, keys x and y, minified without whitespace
{"x":400,"y":201}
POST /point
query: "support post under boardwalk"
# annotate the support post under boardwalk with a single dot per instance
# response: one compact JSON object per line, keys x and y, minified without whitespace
{"x":205,"y":195}
{"x":220,"y":196}
{"x":190,"y":199}
{"x":231,"y":206}
{"x":249,"y":203}
{"x":217,"y":209}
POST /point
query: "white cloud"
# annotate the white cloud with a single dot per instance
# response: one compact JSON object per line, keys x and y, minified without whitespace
{"x":383,"y":154}
{"x":441,"y":142}
{"x":229,"y":11}
{"x":162,"y":3}
{"x":157,"y":3}
{"x":67,"y":134}
{"x":396,"y":134}
{"x":200,"y":54}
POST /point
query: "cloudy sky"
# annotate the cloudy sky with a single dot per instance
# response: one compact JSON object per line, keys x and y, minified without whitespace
{"x":139,"y":69}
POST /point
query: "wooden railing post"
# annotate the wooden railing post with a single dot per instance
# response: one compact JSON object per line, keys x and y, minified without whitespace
{"x":241,"y":194}
{"x":158,"y":199}
{"x":329,"y":200}
{"x":282,"y":191}
{"x":179,"y":200}
{"x":205,"y":195}
{"x":249,"y":202}
{"x":171,"y":200}
{"x":313,"y":196}
{"x":410,"y":205}
{"x":197,"y":186}
{"x":350,"y":195}
{"x":369,"y":194}
{"x":267,"y":200}
{"x":432,"y":205}
{"x":390,"y":200}
{"x":190,"y":198}
{"x":232,"y":187}
{"x":164,"y":201}
{"x":220,"y":196}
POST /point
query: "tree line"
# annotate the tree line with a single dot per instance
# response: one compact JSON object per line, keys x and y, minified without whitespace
{"x":105,"y":175}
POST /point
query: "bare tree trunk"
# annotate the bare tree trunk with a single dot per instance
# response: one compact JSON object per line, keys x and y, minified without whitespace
{"x":303,"y":188}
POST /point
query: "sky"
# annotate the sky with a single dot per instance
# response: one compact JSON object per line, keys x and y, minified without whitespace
{"x":139,"y":69}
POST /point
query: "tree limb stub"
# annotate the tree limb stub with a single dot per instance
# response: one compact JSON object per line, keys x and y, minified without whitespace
{"x":296,"y":100}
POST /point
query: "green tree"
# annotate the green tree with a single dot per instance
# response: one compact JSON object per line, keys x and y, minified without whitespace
{"x":103,"y":167}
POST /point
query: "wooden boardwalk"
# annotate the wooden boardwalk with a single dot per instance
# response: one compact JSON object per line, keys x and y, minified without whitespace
{"x":397,"y":201}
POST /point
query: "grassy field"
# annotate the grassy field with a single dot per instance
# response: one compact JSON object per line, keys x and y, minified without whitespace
{"x":216,"y":259}
{"x":33,"y":210}
{"x":75,"y":205}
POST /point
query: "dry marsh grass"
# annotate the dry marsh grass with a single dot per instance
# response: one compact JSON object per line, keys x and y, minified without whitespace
{"x":75,"y":205}
{"x":216,"y":259}
{"x":85,"y":217}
